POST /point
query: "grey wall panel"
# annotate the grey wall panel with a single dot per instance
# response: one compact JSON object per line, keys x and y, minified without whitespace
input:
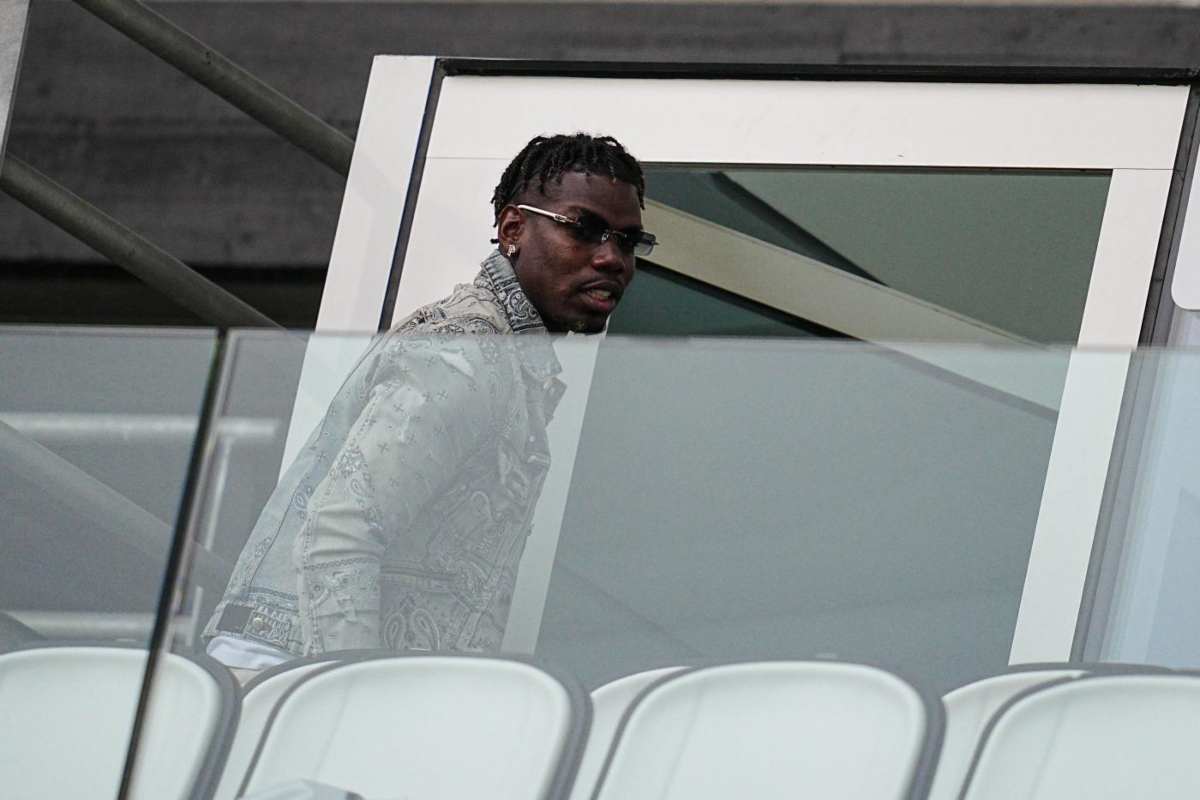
{"x":14,"y":15}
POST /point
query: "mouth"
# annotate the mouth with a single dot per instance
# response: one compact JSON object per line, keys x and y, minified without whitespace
{"x":602,"y":297}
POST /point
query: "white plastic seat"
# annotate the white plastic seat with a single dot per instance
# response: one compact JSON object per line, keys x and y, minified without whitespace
{"x":775,"y":730}
{"x":68,"y":714}
{"x":258,"y":702}
{"x":968,"y":710}
{"x":1098,"y":737}
{"x":433,"y":727}
{"x":609,"y":703}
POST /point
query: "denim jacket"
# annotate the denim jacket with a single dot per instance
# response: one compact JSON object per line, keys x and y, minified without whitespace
{"x":402,"y":521}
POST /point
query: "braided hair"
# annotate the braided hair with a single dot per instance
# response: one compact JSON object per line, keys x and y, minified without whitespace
{"x":547,"y":158}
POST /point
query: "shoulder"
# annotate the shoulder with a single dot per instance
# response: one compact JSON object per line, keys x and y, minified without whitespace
{"x":470,"y":310}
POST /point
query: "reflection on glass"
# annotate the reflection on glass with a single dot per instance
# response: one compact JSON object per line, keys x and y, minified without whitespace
{"x":1010,"y":250}
{"x":1148,"y":592}
{"x":96,"y":432}
{"x":682,"y":501}
{"x":687,"y":501}
{"x":775,"y":500}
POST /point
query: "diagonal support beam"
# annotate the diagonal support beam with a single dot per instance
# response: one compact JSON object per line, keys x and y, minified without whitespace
{"x":108,"y":512}
{"x":233,"y":83}
{"x":127,"y":249}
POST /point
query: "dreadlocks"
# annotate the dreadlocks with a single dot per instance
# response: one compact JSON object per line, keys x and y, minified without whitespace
{"x":547,"y":158}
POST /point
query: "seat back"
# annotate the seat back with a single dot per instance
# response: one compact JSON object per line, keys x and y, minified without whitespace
{"x":427,"y":726}
{"x":68,"y":714}
{"x":775,"y":730}
{"x":258,"y":702}
{"x":609,"y":703}
{"x":968,"y":710}
{"x":1098,"y":737}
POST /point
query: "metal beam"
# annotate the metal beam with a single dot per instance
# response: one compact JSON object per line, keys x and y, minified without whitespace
{"x":90,"y":625}
{"x":58,"y":427}
{"x":104,"y":507}
{"x":127,"y":249}
{"x":242,"y":89}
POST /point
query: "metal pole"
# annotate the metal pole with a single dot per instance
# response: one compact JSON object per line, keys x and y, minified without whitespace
{"x":127,"y":249}
{"x":208,"y":67}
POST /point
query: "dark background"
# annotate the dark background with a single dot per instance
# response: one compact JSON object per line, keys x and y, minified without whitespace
{"x":132,"y":135}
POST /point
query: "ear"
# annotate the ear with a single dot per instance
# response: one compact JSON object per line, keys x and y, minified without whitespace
{"x":509,"y":228}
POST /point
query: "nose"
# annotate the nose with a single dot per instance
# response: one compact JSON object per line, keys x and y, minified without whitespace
{"x":608,"y":258}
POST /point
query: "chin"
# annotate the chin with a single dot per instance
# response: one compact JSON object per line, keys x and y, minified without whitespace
{"x":589,"y":326}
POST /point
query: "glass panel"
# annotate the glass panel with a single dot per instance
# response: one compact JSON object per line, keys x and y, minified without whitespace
{"x":688,"y":500}
{"x":703,"y":499}
{"x":97,"y":430}
{"x":250,"y":430}
{"x":1010,"y":250}
{"x":1147,"y":586}
{"x":777,"y":499}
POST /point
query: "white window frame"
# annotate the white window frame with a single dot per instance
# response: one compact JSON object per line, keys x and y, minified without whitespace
{"x":481,"y":121}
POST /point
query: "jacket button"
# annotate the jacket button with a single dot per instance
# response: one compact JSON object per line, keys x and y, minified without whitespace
{"x":258,"y":625}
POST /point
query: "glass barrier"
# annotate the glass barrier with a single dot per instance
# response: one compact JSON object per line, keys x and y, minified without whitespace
{"x":1147,"y":588}
{"x":613,"y":506}
{"x":604,"y":507}
{"x":97,"y":430}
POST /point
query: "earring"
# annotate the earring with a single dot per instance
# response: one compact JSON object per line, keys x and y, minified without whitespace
{"x":511,"y":250}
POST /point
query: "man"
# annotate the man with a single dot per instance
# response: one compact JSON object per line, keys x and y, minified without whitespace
{"x":402,"y":521}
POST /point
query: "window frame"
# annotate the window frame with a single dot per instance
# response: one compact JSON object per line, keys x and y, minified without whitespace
{"x":1142,"y":194}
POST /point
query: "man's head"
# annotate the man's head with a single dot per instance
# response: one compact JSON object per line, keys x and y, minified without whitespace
{"x":568,"y":216}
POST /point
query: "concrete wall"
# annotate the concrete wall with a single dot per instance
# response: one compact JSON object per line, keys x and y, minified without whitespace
{"x":146,"y":144}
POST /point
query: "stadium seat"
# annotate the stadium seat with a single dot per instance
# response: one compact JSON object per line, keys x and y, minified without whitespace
{"x":1099,"y":737}
{"x":968,"y":710}
{"x":771,"y":730}
{"x":258,"y":701}
{"x":609,"y":703}
{"x":68,"y":714}
{"x":428,"y":726}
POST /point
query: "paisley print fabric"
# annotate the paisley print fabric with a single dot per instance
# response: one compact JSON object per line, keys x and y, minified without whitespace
{"x":402,"y":522}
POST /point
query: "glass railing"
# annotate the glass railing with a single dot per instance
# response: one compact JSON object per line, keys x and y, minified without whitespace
{"x":97,"y":431}
{"x":97,"y":428}
{"x":606,"y":506}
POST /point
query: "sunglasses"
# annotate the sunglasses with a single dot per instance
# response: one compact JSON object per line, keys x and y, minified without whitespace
{"x":592,"y":229}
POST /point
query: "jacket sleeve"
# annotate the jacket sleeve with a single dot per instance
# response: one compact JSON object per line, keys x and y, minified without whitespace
{"x":432,"y":404}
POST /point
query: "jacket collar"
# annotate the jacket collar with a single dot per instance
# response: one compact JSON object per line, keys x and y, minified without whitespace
{"x":496,"y":275}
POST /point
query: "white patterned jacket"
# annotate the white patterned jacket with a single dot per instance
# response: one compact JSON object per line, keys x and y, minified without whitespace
{"x":402,"y":521}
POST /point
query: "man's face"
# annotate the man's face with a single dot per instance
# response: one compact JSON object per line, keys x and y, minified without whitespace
{"x":573,"y":284}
